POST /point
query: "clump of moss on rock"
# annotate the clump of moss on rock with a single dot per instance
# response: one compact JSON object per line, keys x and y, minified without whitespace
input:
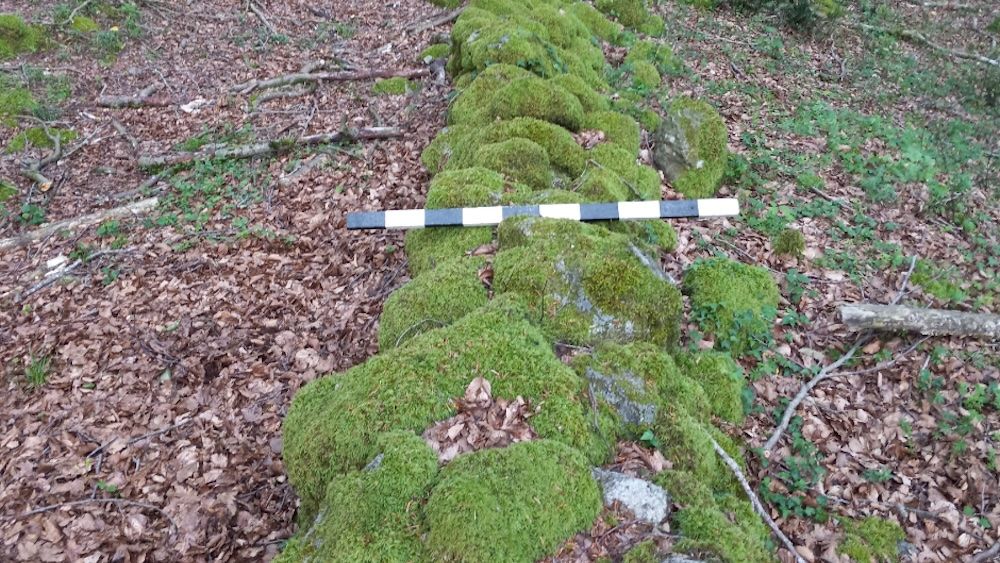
{"x":631,"y":13}
{"x":735,"y":302}
{"x":790,"y":242}
{"x":437,"y":299}
{"x":16,"y":36}
{"x":584,"y":283}
{"x":518,"y":159}
{"x":691,"y":147}
{"x":871,"y":539}
{"x":619,"y":129}
{"x":721,"y":378}
{"x":333,"y":422}
{"x":465,"y":187}
{"x":394,"y":86}
{"x":645,"y":77}
{"x":84,"y":24}
{"x":644,"y":552}
{"x":373,"y":514}
{"x":435,"y":51}
{"x":518,"y":503}
{"x":661,"y":56}
{"x":598,"y":24}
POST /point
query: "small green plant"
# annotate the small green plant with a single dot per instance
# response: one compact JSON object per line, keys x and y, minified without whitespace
{"x":110,"y":275}
{"x":109,"y":488}
{"x":37,"y":371}
{"x":877,"y":475}
{"x":649,"y":440}
{"x":111,"y":228}
{"x":31,"y":214}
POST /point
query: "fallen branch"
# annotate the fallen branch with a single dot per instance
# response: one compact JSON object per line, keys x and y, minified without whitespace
{"x":435,"y":21}
{"x":116,"y":501}
{"x":757,"y":506}
{"x":131,"y":441}
{"x":344,"y":76}
{"x":64,"y":270}
{"x":987,"y":555}
{"x":72,"y":15}
{"x":921,"y":39}
{"x":262,"y":17}
{"x":271,"y":147}
{"x":143,"y":98}
{"x":132,"y":209}
{"x":931,"y":322}
{"x":945,"y":5}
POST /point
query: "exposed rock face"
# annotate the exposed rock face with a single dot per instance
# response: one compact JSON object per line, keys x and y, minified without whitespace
{"x":647,"y":501}
{"x":672,"y":153}
{"x":690,"y":147}
{"x":624,"y":392}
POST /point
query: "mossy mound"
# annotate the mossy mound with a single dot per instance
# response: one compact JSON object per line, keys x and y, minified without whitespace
{"x":589,"y":99}
{"x":661,"y":56}
{"x":518,"y":159}
{"x":333,"y":422}
{"x":432,"y":301}
{"x":735,"y":302}
{"x":789,"y":242}
{"x":721,"y":378}
{"x":37,"y":137}
{"x":641,"y":182}
{"x":691,"y":147}
{"x":871,"y":539}
{"x":14,"y":102}
{"x":645,"y":77}
{"x":373,"y":514}
{"x":84,"y":24}
{"x":644,"y":552}
{"x":16,"y":36}
{"x":596,"y":22}
{"x":527,"y":96}
{"x":436,"y":51}
{"x":583,"y":283}
{"x":456,"y":147}
{"x":632,"y":14}
{"x":465,"y":187}
{"x":392,"y":86}
{"x":619,"y":129}
{"x":518,"y":503}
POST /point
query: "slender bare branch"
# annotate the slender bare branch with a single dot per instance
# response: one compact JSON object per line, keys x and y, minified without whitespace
{"x":342,"y":76}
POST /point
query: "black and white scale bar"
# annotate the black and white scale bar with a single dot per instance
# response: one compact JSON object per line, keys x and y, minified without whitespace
{"x":481,"y":216}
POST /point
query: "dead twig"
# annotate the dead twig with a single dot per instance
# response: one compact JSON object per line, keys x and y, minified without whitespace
{"x":344,"y":76}
{"x":65,"y":269}
{"x":115,"y":501}
{"x":72,"y":15}
{"x":435,"y":21}
{"x":757,"y":506}
{"x":921,"y":39}
{"x":986,"y":555}
{"x":143,"y":98}
{"x":132,"y":209}
{"x":145,"y":436}
{"x":271,"y":147}
{"x":259,"y":12}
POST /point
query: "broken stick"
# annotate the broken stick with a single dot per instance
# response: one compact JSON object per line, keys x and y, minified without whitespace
{"x":931,"y":322}
{"x":143,"y":98}
{"x":300,"y":77}
{"x":132,"y":209}
{"x":271,"y":147}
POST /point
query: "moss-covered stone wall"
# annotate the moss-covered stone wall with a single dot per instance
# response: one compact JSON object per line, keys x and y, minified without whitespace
{"x":532,"y":96}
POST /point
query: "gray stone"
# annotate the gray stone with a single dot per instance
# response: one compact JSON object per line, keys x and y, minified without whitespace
{"x":647,"y":501}
{"x":672,"y":152}
{"x":677,"y":558}
{"x":374,"y":464}
{"x":624,"y":393}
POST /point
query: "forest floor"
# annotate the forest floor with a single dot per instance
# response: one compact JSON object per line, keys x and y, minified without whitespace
{"x":156,"y":372}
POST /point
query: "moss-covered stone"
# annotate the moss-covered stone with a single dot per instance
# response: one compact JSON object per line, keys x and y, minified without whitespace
{"x":790,"y":242}
{"x":631,"y":13}
{"x":871,"y":539}
{"x":619,"y":129}
{"x":373,"y":514}
{"x":471,"y":105}
{"x":589,"y":99}
{"x":435,"y":51}
{"x":598,"y":24}
{"x":445,"y":144}
{"x":661,"y":56}
{"x":333,"y":422}
{"x":735,"y":302}
{"x":518,"y":503}
{"x":427,"y":248}
{"x":645,"y":77}
{"x":437,"y":299}
{"x":395,"y":86}
{"x":518,"y":159}
{"x":691,"y":147}
{"x":642,"y":182}
{"x":16,"y":36}
{"x":84,"y":24}
{"x":721,"y":378}
{"x":492,"y":96}
{"x":644,"y":552}
{"x":583,"y":283}
{"x":14,"y":102}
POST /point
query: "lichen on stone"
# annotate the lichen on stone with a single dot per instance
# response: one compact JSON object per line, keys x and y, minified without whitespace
{"x":691,"y":147}
{"x":583,"y":283}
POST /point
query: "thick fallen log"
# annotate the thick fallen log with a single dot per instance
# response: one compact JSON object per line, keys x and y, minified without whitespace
{"x":130,"y":210}
{"x":344,"y":76}
{"x":931,"y":322}
{"x":271,"y":147}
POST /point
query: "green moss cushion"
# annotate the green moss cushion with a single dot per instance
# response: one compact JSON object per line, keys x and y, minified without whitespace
{"x":333,"y":422}
{"x":735,"y":302}
{"x":518,"y":503}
